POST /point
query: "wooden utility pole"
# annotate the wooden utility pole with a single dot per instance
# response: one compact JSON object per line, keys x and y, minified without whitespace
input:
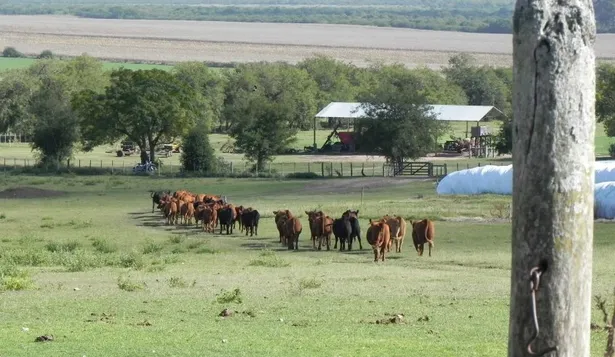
{"x":553,"y":177}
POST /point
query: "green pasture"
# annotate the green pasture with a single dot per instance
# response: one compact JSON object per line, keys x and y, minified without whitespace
{"x":105,"y":276}
{"x":15,"y":63}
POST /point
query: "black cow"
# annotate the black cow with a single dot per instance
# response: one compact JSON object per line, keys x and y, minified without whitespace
{"x":342,"y":229}
{"x":249,"y":219}
{"x":353,"y":217}
{"x":156,"y":196}
{"x":225,"y":217}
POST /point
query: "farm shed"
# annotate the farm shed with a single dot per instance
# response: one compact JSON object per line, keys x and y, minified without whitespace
{"x":339,"y":113}
{"x":493,"y":179}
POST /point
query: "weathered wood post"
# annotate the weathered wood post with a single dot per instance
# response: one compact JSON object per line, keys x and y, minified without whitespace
{"x":553,"y":177}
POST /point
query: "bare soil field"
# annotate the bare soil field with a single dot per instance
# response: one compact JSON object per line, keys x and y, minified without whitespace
{"x":174,"y":41}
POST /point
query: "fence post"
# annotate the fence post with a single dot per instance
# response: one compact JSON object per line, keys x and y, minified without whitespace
{"x":231,"y":167}
{"x":351,"y":174}
{"x":554,"y":93}
{"x":382,"y":170}
{"x":331,"y":169}
{"x":79,"y":163}
{"x":112,"y":167}
{"x":373,"y":169}
{"x":309,"y":167}
{"x":101,"y":164}
{"x":90,"y":163}
{"x":342,"y":169}
{"x":322,"y":169}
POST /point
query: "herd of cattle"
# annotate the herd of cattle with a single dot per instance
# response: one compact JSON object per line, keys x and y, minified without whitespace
{"x":212,"y":211}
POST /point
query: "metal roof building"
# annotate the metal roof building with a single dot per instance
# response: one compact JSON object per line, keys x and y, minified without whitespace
{"x":452,"y":113}
{"x":467,"y":113}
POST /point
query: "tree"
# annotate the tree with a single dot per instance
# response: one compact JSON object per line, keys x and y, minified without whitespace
{"x":605,"y":100}
{"x":16,"y":90}
{"x":197,"y":153}
{"x":145,"y":106}
{"x":291,"y":90}
{"x":56,"y":127}
{"x":332,"y":77}
{"x":553,"y":177}
{"x":437,"y":89}
{"x":482,"y":85}
{"x":398,"y":122}
{"x":266,"y":105}
{"x":46,"y":54}
{"x":264,"y":132}
{"x":210,"y":86}
{"x":11,"y":52}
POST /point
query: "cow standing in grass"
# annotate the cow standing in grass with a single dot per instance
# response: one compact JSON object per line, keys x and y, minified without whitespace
{"x":156,"y":198}
{"x":353,"y":217}
{"x":225,"y":217}
{"x":250,"y":218}
{"x":320,"y":228}
{"x":397,"y":226}
{"x":378,"y":236}
{"x":238,"y":215}
{"x":342,"y":229}
{"x":423,"y":231}
{"x":280,"y":219}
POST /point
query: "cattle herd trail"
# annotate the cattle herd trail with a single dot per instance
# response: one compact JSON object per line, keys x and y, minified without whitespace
{"x":224,"y":42}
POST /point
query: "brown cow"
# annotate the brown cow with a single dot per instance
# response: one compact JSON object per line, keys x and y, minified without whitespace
{"x":378,"y":236}
{"x":321,"y":228}
{"x":208,"y":216}
{"x":181,"y":210}
{"x":171,"y":211}
{"x":315,"y":224}
{"x":279,"y":219}
{"x":397,"y":226}
{"x":423,"y":231}
{"x":188,"y":213}
{"x":238,"y":214}
{"x":292,"y":230}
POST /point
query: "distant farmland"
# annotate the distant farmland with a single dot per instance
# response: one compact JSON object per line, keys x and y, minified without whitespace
{"x":225,"y":42}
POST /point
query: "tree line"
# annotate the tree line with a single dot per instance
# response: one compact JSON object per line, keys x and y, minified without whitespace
{"x":75,"y":105}
{"x":467,"y":16}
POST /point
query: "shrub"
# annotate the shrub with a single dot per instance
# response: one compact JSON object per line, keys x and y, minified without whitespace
{"x":612,"y":150}
{"x":46,"y":54}
{"x":12,"y":52}
{"x":197,"y":153}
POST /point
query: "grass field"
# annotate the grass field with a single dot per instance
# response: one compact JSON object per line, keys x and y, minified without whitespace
{"x":14,"y":63}
{"x":102,"y":274}
{"x":226,"y":42}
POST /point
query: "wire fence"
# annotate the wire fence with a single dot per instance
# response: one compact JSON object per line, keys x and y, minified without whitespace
{"x":304,"y":169}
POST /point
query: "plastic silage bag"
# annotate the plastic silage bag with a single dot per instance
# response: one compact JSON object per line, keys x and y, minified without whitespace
{"x":605,"y":171}
{"x":478,"y":180}
{"x":604,"y":200}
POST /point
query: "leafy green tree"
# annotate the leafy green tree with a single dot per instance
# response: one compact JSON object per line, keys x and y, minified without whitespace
{"x":16,"y":90}
{"x":210,"y":86}
{"x":56,"y":130}
{"x":398,"y":122}
{"x":145,"y":106}
{"x":289,"y":88}
{"x":605,"y":97}
{"x":265,"y":132}
{"x":437,"y":89}
{"x":11,"y":52}
{"x":503,"y":140}
{"x":482,"y":85}
{"x":197,"y":153}
{"x":333,"y":78}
